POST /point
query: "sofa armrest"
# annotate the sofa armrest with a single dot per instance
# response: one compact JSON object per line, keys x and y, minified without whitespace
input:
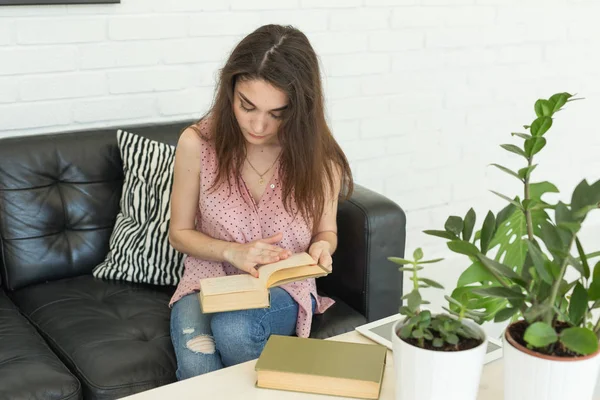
{"x":371,"y":228}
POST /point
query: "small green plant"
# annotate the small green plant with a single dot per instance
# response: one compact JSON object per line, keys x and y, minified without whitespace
{"x":520,"y":256}
{"x":420,"y":326}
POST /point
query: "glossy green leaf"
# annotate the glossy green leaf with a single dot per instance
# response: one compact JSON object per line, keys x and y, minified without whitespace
{"x":501,"y":269}
{"x":583,"y":258}
{"x":414,"y":300}
{"x":540,"y":334}
{"x":469,"y":224}
{"x":538,"y":144}
{"x":563,"y":213}
{"x":559,"y":100}
{"x":501,"y":292}
{"x":524,"y":173}
{"x":461,"y":247}
{"x":452,"y":339}
{"x":476,"y":272}
{"x":578,"y":304}
{"x":538,"y":189}
{"x":541,"y":125}
{"x":511,"y":236}
{"x":487,"y":231}
{"x":580,"y":340}
{"x":418,"y":254}
{"x":438,"y":342}
{"x":506,"y":170}
{"x":543,"y":108}
{"x":514,"y":149}
{"x":539,"y":262}
{"x":521,"y":135}
{"x":417,"y":334}
{"x":552,"y":238}
{"x":442,"y":234}
{"x":585,"y":198}
{"x":594,"y":289}
{"x":432,"y":261}
{"x":454,"y":225}
{"x":511,"y":201}
{"x":505,"y":314}
{"x":400,"y":261}
{"x":504,"y":214}
{"x":406,"y":331}
{"x":431,"y":283}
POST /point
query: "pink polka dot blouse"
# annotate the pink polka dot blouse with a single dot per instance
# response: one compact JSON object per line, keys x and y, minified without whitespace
{"x":233,"y":216}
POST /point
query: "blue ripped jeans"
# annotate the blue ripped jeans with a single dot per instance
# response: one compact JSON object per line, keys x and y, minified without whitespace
{"x":207,"y":342}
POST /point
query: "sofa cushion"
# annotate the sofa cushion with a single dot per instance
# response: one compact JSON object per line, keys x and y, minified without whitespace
{"x":113,"y":335}
{"x":28,"y":368}
{"x":139,"y":245}
{"x":338,"y":319}
{"x":59,"y":198}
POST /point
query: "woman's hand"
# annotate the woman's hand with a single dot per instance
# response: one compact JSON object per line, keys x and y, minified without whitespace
{"x":321,"y":252}
{"x":263,"y":251}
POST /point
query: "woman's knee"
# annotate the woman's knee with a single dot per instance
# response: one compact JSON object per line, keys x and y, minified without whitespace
{"x":240,"y":335}
{"x":198,"y":356}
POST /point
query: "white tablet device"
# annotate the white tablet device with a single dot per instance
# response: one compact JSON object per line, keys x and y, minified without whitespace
{"x":380,"y":331}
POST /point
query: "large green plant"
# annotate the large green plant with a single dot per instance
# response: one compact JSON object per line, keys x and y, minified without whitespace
{"x":533,"y":244}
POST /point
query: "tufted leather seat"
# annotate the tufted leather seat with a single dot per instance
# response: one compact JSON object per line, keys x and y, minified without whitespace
{"x":115,"y":335}
{"x":59,"y":197}
{"x":28,"y":368}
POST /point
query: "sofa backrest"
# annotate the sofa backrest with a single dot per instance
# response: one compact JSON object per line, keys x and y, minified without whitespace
{"x":59,"y":198}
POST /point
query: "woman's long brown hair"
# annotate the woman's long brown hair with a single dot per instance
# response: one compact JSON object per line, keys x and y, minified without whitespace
{"x":283,"y":57}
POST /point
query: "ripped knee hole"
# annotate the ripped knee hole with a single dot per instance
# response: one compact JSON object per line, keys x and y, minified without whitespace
{"x":201,"y":344}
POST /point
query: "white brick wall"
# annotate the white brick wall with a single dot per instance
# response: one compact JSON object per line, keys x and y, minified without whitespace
{"x":420,"y":93}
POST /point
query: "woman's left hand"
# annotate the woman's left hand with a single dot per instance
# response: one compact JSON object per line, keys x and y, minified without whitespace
{"x":320,"y":251}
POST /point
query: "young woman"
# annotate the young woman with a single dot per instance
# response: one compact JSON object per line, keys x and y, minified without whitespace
{"x":256,"y":180}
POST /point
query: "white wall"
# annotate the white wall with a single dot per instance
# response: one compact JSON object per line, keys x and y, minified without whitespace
{"x":420,"y":92}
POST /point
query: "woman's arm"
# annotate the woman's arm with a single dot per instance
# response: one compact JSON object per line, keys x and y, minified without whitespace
{"x":325,"y":240}
{"x":184,"y":205}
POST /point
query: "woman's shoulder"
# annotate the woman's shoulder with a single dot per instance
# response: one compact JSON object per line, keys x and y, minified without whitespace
{"x":196,"y":138}
{"x":202,"y":129}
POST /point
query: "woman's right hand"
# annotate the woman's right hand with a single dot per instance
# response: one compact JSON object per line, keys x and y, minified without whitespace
{"x":248,"y":255}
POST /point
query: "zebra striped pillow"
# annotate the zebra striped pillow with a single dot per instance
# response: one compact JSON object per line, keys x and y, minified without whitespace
{"x":139,"y":249}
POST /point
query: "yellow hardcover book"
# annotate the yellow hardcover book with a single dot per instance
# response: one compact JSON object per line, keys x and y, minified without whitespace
{"x":238,"y":292}
{"x":321,"y":366}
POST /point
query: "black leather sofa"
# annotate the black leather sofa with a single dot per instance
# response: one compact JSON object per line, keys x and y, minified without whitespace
{"x":66,"y":335}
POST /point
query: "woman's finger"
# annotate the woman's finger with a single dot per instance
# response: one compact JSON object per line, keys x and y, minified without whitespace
{"x":325,"y":260}
{"x":267,"y":259}
{"x":315,"y":253}
{"x":263,"y":245}
{"x":252,"y":271}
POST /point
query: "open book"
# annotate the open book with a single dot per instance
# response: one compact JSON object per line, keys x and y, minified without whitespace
{"x":240,"y":292}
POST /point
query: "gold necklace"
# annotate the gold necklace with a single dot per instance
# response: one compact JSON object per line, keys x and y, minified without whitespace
{"x":261,"y":180}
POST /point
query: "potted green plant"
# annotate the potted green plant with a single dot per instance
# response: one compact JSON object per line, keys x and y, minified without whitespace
{"x":518,"y":273}
{"x":428,"y":347}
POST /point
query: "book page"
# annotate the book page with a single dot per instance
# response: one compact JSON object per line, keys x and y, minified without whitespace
{"x":230,"y":284}
{"x":295,"y":260}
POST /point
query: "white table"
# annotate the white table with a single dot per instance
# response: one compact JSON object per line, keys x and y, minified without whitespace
{"x":238,"y":382}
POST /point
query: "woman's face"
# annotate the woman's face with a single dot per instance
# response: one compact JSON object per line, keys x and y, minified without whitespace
{"x":258,"y":107}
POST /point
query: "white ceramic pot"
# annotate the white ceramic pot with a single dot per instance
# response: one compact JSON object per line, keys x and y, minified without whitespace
{"x":529,"y":375}
{"x":437,"y":375}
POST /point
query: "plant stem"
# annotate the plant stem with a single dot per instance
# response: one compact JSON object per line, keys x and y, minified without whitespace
{"x":415,"y":279}
{"x":528,"y":217}
{"x":563,"y":268}
{"x":597,"y":328}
